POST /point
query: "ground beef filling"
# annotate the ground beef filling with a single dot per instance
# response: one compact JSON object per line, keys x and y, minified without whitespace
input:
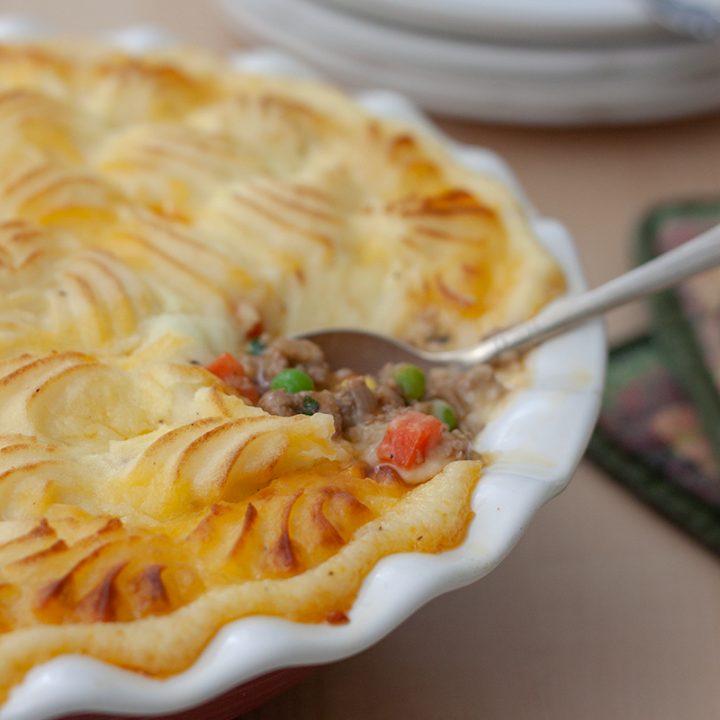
{"x":401,"y":421}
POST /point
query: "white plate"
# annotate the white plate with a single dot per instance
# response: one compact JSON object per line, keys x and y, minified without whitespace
{"x":519,"y":85}
{"x":304,"y":22}
{"x":538,"y":440}
{"x":608,"y":100}
{"x":547,"y":21}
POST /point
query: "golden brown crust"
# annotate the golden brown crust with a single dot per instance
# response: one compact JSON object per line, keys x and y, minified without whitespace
{"x":148,"y":207}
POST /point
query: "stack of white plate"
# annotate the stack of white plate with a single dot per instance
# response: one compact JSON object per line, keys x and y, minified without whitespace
{"x":553,"y":62}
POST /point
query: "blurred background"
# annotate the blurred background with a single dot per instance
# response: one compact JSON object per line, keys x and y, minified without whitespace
{"x":609,"y":117}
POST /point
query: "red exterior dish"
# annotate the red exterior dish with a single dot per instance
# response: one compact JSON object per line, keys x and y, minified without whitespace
{"x":229,"y":705}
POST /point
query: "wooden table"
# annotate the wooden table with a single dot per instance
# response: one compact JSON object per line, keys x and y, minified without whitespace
{"x":603,"y":610}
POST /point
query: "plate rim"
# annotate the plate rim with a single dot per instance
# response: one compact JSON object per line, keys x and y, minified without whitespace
{"x":571,"y":22}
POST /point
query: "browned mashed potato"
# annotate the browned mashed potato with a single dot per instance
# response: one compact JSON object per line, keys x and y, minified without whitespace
{"x":154,"y":210}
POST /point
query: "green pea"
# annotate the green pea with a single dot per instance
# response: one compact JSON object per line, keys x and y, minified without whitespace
{"x":310,"y":405}
{"x":411,"y":380}
{"x":445,"y":413}
{"x":292,"y":380}
{"x":257,"y":346}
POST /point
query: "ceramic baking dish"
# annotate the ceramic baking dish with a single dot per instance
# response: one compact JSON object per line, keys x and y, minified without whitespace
{"x":536,"y":441}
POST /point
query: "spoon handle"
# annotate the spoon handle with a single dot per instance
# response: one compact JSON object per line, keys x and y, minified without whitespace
{"x":692,"y":257}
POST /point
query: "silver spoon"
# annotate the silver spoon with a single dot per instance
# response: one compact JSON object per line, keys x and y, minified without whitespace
{"x":367,"y":352}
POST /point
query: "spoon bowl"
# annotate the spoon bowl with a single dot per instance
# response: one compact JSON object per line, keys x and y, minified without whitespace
{"x":366,"y":352}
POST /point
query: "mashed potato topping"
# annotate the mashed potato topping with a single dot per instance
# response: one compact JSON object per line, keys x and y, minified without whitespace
{"x":155,"y":212}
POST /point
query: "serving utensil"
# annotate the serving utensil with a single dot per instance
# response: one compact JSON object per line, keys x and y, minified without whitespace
{"x":367,"y":351}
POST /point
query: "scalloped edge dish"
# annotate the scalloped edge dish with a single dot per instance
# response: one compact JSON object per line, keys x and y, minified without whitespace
{"x":535,"y":448}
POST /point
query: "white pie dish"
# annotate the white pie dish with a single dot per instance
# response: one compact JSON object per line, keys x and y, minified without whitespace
{"x":537,"y":440}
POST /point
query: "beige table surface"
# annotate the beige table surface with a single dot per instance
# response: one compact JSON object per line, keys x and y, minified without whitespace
{"x":603,"y":610}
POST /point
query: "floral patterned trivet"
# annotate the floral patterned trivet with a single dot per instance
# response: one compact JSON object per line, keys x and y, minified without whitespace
{"x":659,"y":428}
{"x":686,"y":320}
{"x":649,"y":437}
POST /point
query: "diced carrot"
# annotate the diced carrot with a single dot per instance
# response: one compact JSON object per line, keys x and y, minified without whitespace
{"x":256,"y":330}
{"x":409,"y":438}
{"x":226,"y":367}
{"x":232,"y":373}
